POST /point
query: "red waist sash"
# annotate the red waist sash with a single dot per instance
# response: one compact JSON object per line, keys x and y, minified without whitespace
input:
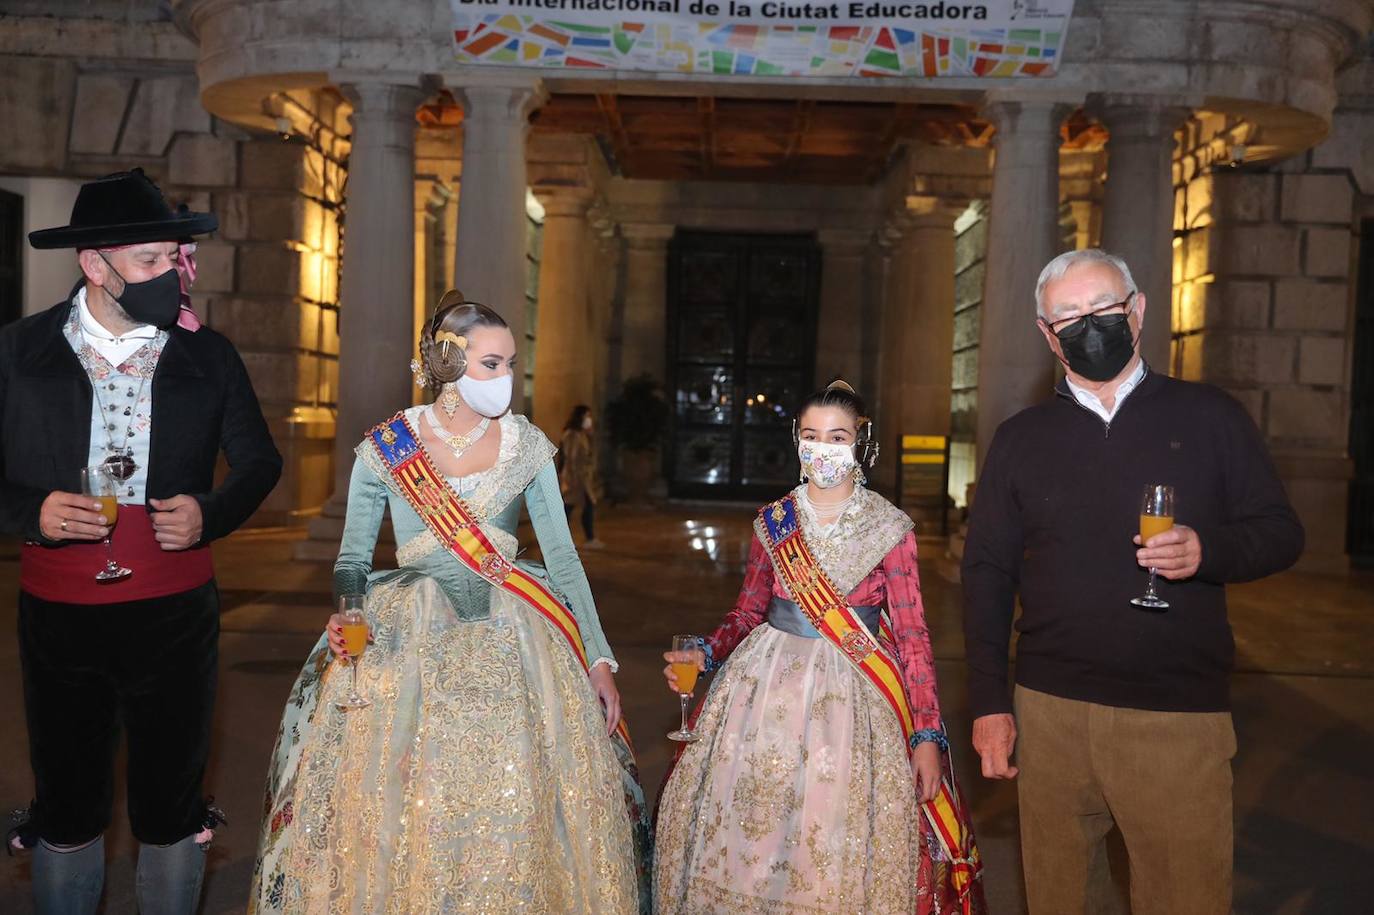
{"x":66,"y":574}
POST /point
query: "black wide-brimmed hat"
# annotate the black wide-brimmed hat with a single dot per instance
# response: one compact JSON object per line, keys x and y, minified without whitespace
{"x":125,"y":208}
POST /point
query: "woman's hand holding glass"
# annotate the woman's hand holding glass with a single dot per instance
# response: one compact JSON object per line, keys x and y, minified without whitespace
{"x":349,"y":635}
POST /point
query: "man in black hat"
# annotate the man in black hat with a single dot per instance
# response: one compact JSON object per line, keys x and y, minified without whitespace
{"x":119,"y":387}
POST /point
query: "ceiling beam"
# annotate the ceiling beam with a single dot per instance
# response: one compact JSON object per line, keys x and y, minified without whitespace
{"x":615,"y":127}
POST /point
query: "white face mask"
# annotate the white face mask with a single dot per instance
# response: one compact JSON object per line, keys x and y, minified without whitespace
{"x":827,"y":464}
{"x":490,"y":397}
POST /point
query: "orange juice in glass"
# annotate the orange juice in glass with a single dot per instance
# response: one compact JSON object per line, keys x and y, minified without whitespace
{"x":686,"y":674}
{"x":109,"y":507}
{"x":354,"y":628}
{"x":99,"y":484}
{"x":1154,"y":524}
{"x":1156,"y":517}
{"x":355,"y":639}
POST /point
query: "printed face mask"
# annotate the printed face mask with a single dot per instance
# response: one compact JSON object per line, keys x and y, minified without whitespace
{"x":490,"y":397}
{"x":826,"y":464}
{"x":156,"y":301}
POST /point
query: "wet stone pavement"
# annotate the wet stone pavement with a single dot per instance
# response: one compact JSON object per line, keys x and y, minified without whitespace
{"x":1303,"y":697}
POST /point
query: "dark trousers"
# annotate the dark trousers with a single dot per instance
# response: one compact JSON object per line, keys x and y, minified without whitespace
{"x":149,"y":666}
{"x":588,"y":517}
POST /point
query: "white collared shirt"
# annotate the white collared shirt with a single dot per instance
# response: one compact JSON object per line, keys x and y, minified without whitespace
{"x":1090,"y":400}
{"x":114,"y":349}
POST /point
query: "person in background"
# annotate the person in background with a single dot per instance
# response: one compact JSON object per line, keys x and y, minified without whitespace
{"x":577,"y":476}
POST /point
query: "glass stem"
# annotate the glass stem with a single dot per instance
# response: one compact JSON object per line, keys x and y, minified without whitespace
{"x":684,"y":697}
{"x":353,"y":663}
{"x":1150,"y":591}
{"x":109,"y":554}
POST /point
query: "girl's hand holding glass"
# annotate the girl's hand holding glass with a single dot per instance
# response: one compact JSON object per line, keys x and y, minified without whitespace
{"x":685,"y":661}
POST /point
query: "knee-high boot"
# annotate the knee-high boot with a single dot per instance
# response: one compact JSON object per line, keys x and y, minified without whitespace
{"x":170,"y":876}
{"x":68,"y":880}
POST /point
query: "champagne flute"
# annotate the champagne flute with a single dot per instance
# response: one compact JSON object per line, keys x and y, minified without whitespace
{"x":355,"y":643}
{"x":97,"y":483}
{"x":1156,"y":517}
{"x":686,"y":674}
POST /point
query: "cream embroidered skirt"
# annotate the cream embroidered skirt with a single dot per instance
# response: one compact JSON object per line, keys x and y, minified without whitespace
{"x":798,"y":796}
{"x":480,"y":779}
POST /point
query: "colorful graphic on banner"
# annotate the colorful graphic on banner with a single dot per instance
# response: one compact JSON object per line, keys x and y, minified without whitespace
{"x":999,"y":38}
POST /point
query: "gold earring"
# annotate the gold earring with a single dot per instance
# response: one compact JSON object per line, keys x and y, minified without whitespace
{"x":449,"y":400}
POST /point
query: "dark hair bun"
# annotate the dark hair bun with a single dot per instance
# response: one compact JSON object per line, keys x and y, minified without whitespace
{"x":444,"y":339}
{"x":837,"y":394}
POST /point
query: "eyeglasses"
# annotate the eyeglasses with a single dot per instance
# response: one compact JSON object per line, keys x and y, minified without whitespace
{"x":1106,"y":316}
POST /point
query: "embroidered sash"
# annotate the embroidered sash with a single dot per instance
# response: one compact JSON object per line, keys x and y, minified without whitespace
{"x":837,"y":623}
{"x":450,"y":521}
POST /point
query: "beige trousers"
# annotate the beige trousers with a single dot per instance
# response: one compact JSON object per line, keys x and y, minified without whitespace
{"x":1163,"y":778}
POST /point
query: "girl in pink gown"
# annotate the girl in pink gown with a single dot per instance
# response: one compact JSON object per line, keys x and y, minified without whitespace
{"x":803,"y":793}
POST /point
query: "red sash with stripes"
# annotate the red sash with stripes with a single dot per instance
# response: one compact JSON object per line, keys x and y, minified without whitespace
{"x":450,"y":521}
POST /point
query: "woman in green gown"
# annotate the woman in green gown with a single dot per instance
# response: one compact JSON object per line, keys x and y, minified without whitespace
{"x":489,"y":773}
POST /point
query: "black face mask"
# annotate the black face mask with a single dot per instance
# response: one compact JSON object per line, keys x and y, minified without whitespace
{"x":1098,"y":347}
{"x":156,"y":301}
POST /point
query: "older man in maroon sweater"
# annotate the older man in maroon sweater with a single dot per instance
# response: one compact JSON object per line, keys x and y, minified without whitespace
{"x":1119,"y":715}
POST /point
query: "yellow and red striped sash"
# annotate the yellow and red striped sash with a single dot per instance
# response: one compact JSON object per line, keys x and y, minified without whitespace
{"x":835,"y":620}
{"x":450,"y":521}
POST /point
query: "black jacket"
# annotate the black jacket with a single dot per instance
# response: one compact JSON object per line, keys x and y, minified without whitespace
{"x":203,"y":403}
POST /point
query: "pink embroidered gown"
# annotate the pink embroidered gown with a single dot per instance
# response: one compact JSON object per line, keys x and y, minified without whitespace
{"x":798,"y":797}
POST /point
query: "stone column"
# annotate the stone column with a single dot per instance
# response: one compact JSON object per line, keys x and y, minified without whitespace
{"x":929,"y":337}
{"x":918,"y":330}
{"x":377,"y":287}
{"x":603,"y":291}
{"x":566,"y":337}
{"x":875,"y":284}
{"x":490,"y":264}
{"x":886,"y":401}
{"x":1138,"y":210}
{"x":840,"y":322}
{"x":1015,"y":367}
{"x":643,"y":337}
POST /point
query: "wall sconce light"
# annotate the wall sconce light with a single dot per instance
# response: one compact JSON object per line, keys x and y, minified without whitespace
{"x":284,"y":127}
{"x":1237,"y":155}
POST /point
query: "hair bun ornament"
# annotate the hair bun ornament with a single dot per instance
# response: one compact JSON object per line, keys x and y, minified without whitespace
{"x":839,"y":384}
{"x":444,"y":353}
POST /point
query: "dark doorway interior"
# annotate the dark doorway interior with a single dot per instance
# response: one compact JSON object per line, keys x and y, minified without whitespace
{"x":11,"y":257}
{"x":1360,"y":535}
{"x":741,"y":351}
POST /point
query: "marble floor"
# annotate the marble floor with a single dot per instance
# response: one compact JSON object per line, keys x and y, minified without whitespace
{"x":1303,"y":692}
